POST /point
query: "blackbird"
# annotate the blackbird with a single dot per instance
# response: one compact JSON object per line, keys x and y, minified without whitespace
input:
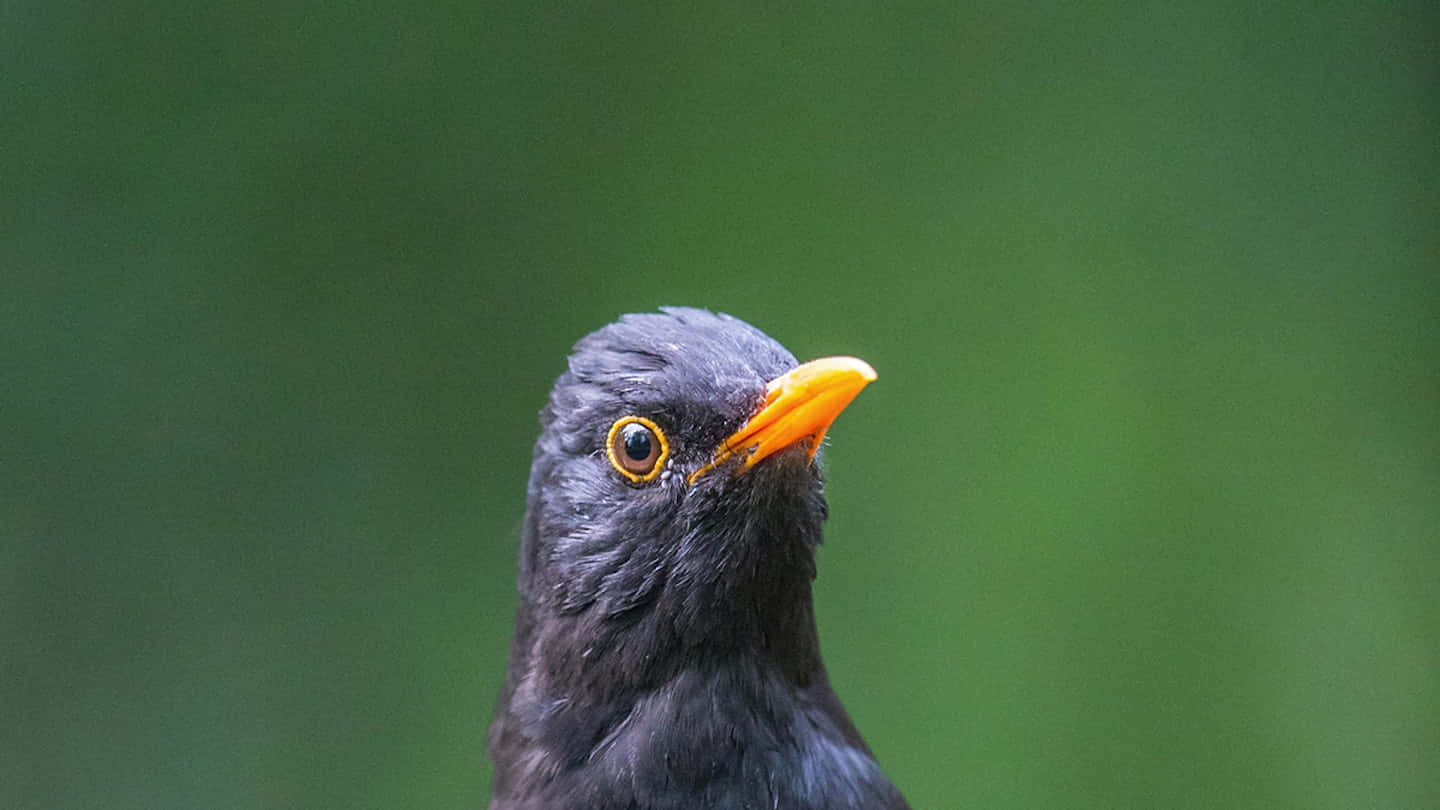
{"x":665,"y":651}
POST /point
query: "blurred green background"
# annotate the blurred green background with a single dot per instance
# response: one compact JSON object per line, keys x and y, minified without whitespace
{"x":1143,"y":512}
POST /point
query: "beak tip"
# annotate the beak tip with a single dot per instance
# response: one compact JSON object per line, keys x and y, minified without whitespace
{"x":862,"y":369}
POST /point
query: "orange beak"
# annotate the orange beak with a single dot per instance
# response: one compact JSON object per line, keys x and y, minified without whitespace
{"x":800,"y":404}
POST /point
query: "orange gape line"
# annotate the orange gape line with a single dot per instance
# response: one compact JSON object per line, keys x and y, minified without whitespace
{"x":800,"y":404}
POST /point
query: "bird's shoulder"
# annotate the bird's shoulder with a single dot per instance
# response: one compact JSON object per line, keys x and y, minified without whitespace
{"x":729,"y":737}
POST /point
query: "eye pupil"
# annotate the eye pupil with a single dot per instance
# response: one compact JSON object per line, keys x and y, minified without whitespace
{"x":637,"y":442}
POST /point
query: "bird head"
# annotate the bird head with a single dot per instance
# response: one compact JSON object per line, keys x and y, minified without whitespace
{"x":675,"y":498}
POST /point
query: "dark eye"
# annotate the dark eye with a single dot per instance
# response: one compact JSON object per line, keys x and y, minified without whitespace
{"x":637,"y":448}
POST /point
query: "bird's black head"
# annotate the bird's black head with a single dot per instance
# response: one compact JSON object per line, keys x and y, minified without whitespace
{"x":674,"y":504}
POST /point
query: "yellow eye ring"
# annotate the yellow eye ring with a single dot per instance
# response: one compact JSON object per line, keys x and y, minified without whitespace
{"x":637,"y":448}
